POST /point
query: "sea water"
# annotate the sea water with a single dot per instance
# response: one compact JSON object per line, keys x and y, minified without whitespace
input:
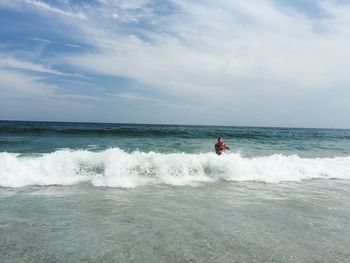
{"x":158,"y":193}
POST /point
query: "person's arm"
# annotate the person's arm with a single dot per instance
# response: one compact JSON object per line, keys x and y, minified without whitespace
{"x":217,"y":148}
{"x":226,"y":147}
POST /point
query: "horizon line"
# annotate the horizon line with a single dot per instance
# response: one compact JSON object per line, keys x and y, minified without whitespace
{"x":172,"y":124}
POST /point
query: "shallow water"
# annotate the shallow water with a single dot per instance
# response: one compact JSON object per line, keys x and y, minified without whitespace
{"x":215,"y":222}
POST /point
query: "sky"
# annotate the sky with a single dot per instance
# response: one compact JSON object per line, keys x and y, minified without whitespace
{"x":217,"y":62}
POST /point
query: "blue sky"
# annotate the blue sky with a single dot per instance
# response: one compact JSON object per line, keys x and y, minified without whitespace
{"x":225,"y":62}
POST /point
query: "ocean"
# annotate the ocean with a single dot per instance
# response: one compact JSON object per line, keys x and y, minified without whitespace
{"x":94,"y":192}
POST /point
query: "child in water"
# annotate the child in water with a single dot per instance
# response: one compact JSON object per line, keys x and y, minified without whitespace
{"x":220,"y":146}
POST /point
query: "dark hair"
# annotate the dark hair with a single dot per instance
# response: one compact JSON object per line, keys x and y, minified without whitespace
{"x":219,"y":138}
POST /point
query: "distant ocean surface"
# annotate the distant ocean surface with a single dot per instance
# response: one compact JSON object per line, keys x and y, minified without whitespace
{"x":159,"y":193}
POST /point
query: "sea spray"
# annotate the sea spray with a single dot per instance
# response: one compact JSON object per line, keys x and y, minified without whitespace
{"x":117,"y":168}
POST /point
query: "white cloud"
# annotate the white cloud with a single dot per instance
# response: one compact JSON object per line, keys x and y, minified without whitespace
{"x":11,"y":62}
{"x":219,"y":44}
{"x":125,"y":4}
{"x":38,"y":39}
{"x":40,"y":95}
{"x":249,"y":59}
{"x":133,"y":96}
{"x":251,"y":54}
{"x":17,"y":85}
{"x":20,"y":79}
{"x":47,"y":7}
{"x":19,"y":5}
{"x":72,"y":45}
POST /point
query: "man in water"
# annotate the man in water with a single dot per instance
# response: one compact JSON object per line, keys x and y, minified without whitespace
{"x":220,"y":146}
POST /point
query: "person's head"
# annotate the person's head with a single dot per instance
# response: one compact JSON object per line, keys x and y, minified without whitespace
{"x":220,"y":140}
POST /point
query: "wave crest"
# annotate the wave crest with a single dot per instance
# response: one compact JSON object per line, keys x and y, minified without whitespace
{"x":116,"y":168}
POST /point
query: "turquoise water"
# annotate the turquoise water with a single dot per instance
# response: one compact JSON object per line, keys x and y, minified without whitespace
{"x":73,"y":192}
{"x":43,"y":137}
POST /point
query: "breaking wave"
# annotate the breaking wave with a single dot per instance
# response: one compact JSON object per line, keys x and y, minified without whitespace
{"x":116,"y":168}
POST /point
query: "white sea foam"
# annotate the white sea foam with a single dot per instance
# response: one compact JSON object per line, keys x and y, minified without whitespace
{"x":116,"y":168}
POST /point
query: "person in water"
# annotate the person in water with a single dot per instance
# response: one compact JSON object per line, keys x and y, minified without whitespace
{"x":220,"y":146}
